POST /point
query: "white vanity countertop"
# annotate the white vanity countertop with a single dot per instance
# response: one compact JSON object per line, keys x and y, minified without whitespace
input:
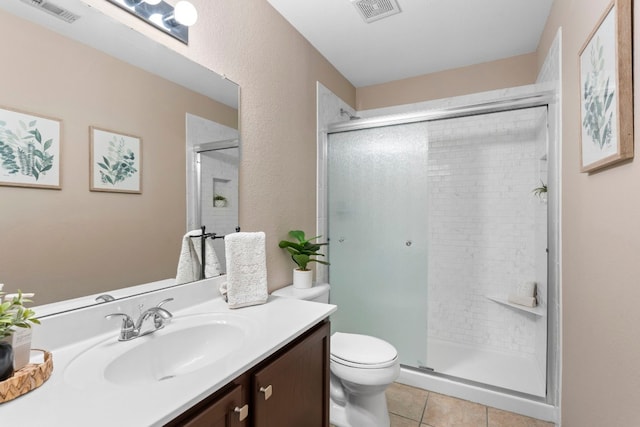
{"x":60,"y":403}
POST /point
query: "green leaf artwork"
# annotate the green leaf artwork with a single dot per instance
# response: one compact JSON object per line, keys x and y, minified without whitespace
{"x":118,"y":164}
{"x":22,"y":151}
{"x":597,"y":96}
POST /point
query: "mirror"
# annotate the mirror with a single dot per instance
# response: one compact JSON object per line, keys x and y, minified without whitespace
{"x":216,"y":179}
{"x":97,"y":72}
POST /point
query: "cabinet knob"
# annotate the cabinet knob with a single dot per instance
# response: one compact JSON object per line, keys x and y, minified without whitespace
{"x":267,"y":391}
{"x":242,"y":412}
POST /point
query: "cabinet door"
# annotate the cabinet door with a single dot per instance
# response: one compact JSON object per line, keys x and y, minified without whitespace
{"x":222,"y":412}
{"x":293,"y":389}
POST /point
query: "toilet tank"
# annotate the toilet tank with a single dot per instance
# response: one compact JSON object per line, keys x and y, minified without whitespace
{"x":318,"y":293}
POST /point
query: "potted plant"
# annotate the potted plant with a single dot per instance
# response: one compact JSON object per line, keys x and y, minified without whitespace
{"x":302,"y":251}
{"x":219,"y":201}
{"x":13,"y":314}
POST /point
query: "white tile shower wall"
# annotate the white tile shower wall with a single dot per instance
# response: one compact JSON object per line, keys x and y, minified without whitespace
{"x":541,"y":244}
{"x":482,"y":224}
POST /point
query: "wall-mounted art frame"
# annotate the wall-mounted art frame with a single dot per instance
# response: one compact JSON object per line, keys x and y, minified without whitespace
{"x":606,"y":90}
{"x":115,"y":161}
{"x":29,"y":150}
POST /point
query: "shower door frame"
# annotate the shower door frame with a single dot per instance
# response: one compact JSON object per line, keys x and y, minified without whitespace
{"x":542,"y":99}
{"x":537,"y":99}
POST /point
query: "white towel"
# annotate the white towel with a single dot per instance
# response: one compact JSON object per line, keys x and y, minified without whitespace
{"x":526,"y":289}
{"x":246,"y":269}
{"x":190,"y":262}
{"x":522,"y":300}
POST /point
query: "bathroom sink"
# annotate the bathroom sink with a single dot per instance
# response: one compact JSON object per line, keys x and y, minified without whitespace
{"x":184,"y":346}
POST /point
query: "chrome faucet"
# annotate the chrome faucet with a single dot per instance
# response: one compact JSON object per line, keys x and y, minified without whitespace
{"x":131,"y":329}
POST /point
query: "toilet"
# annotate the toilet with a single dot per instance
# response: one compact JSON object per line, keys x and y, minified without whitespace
{"x":362,"y":367}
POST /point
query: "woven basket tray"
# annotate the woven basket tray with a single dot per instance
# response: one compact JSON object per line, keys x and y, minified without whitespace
{"x":26,"y":379}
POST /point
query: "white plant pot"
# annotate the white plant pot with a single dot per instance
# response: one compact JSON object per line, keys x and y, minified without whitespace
{"x":302,"y":279}
{"x":220,"y":203}
{"x":20,"y":340}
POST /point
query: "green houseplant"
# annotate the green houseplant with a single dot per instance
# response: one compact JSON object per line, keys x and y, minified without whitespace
{"x":13,"y":314}
{"x":302,"y":252}
{"x":541,"y":192}
{"x":219,"y":201}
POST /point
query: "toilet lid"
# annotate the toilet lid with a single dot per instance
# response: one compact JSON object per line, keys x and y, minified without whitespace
{"x":362,"y":351}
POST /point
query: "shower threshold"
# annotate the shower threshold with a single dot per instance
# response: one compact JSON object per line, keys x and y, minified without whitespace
{"x":498,"y":369}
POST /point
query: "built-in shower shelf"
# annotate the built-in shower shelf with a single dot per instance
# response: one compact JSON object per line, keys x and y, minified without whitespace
{"x":538,"y":311}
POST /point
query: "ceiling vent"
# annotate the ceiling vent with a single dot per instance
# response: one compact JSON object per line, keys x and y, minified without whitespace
{"x":53,"y":9}
{"x":373,"y":10}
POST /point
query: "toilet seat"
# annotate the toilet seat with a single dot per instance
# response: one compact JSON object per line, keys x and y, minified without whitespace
{"x":362,"y":351}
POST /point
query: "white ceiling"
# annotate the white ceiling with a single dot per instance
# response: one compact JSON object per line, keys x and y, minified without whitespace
{"x":426,"y":37}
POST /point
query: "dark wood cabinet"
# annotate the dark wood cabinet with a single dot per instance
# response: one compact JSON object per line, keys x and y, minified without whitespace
{"x":226,"y":408}
{"x":288,"y":389}
{"x":293,"y":389}
{"x":226,"y":411}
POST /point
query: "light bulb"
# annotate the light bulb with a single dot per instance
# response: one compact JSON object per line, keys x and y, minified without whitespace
{"x":185,"y":13}
{"x":152,"y":2}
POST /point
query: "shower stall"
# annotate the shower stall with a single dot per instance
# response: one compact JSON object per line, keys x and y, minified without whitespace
{"x":435,"y":221}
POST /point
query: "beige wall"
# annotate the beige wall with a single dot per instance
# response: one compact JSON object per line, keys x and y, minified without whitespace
{"x":601,"y":253}
{"x":70,"y":242}
{"x":504,"y":73}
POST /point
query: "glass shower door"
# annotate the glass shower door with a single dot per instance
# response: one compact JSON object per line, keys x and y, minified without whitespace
{"x":377,"y":195}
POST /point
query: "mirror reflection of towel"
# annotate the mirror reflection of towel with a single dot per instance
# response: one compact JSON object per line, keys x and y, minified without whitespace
{"x":246,"y":269}
{"x":190,"y":262}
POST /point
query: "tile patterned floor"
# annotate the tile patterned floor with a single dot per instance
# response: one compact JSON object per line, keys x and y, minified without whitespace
{"x":414,"y":407}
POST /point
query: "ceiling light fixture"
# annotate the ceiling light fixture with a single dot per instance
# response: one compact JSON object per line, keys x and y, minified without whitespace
{"x":173,"y":21}
{"x":184,"y":13}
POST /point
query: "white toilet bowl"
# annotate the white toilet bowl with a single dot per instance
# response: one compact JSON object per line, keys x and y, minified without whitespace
{"x":362,"y":367}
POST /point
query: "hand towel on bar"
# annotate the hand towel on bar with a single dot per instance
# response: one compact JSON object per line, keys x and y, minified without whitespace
{"x":211,"y":263}
{"x":190,"y":262}
{"x":246,"y":269}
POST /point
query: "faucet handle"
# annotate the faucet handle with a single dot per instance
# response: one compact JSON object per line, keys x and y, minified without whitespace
{"x":126,"y":318}
{"x":161,"y":317}
{"x":104,"y":298}
{"x":161,"y":303}
{"x":128,"y":329}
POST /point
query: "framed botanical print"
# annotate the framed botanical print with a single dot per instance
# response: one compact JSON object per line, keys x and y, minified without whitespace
{"x":606,"y":90}
{"x":115,"y":162}
{"x":29,"y":150}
